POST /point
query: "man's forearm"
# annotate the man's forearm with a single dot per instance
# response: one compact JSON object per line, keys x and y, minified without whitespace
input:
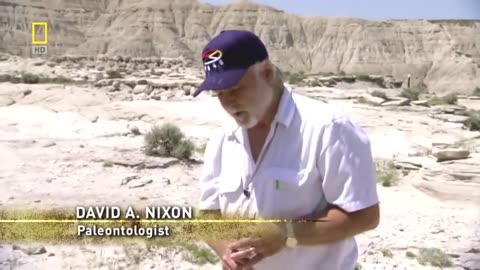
{"x":218,"y":246}
{"x":336,"y":225}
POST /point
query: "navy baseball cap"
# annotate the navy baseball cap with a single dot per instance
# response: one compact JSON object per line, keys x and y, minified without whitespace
{"x":227,"y":57}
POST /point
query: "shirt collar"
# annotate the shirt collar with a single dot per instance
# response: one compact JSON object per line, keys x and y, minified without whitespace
{"x":286,"y":109}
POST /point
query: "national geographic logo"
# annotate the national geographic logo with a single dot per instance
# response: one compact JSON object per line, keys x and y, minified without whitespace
{"x":39,"y":37}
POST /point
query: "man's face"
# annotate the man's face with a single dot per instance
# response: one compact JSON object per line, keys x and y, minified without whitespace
{"x":248,"y":101}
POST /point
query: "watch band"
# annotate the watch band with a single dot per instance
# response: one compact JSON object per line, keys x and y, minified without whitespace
{"x":290,"y":232}
{"x":291,"y":239}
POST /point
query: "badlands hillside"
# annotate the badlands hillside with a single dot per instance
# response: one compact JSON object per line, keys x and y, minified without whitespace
{"x":73,"y":124}
{"x":72,"y":132}
{"x":443,"y":55}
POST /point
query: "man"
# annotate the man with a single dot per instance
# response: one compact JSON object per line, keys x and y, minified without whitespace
{"x":285,"y":157}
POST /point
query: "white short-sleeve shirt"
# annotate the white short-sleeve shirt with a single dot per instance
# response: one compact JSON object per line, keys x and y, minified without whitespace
{"x":314,"y":156}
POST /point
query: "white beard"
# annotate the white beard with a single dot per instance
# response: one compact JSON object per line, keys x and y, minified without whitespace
{"x":252,"y":121}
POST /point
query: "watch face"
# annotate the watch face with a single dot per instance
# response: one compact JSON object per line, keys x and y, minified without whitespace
{"x":291,"y":242}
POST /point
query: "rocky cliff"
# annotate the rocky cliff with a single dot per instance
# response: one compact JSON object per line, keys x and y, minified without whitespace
{"x":445,"y":55}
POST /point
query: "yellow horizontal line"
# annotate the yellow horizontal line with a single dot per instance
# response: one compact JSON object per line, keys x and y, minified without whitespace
{"x":139,"y":220}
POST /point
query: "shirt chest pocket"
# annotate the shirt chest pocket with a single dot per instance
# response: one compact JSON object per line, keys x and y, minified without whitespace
{"x":230,"y":194}
{"x":287,"y":193}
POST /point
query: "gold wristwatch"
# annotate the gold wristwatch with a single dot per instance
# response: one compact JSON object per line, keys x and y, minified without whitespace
{"x":291,"y":240}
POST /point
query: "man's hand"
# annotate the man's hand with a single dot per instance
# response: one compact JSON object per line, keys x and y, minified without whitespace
{"x":221,"y":248}
{"x":268,"y":243}
{"x":232,"y":259}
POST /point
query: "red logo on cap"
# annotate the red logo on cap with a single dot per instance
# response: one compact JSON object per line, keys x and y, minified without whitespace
{"x":211,"y":56}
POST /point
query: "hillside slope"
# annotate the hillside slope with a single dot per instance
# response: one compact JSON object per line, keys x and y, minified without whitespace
{"x":445,"y":55}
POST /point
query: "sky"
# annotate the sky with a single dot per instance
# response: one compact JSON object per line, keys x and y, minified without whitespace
{"x":376,"y":9}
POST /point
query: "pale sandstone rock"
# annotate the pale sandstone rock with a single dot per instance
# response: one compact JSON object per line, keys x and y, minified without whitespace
{"x":6,"y":101}
{"x":400,"y":102}
{"x":140,"y":89}
{"x":450,"y":154}
{"x":373,"y":100}
{"x":450,"y":118}
{"x":420,"y":103}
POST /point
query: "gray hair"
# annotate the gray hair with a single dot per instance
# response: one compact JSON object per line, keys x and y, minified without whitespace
{"x":277,"y":73}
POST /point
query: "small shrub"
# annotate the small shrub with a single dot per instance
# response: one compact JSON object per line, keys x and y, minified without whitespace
{"x":363,"y":77}
{"x":201,"y":148}
{"x":9,"y":78}
{"x":60,"y":80}
{"x":168,"y":141}
{"x":448,"y":99}
{"x":379,"y":94}
{"x":296,"y":78}
{"x":387,"y":173}
{"x":30,"y":78}
{"x":362,"y":100}
{"x":200,"y":255}
{"x":107,"y":164}
{"x":114,"y":74}
{"x":410,"y":255}
{"x":411,"y":93}
{"x":98,"y":77}
{"x":476,"y":92}
{"x":473,"y":121}
{"x":421,"y":152}
{"x":434,"y":257}
{"x":184,"y":149}
{"x":5,"y":77}
{"x":387,"y":253}
{"x":451,"y":99}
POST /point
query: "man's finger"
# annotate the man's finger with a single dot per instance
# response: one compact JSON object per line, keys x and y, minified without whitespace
{"x":244,"y":243}
{"x":228,"y":264}
{"x":243,"y":254}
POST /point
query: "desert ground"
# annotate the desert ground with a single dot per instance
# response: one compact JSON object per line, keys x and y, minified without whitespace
{"x":66,"y":144}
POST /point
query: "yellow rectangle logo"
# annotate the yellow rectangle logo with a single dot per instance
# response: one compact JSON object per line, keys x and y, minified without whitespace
{"x":37,"y":31}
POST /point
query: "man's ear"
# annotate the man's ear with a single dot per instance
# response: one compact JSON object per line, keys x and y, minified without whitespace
{"x":267,"y":71}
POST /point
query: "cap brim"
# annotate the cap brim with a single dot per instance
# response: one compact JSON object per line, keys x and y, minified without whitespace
{"x":218,"y":81}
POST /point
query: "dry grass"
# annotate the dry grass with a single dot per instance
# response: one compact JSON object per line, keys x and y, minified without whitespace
{"x":200,"y":255}
{"x":295,"y":78}
{"x":450,"y":99}
{"x":387,"y":173}
{"x":434,"y":257}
